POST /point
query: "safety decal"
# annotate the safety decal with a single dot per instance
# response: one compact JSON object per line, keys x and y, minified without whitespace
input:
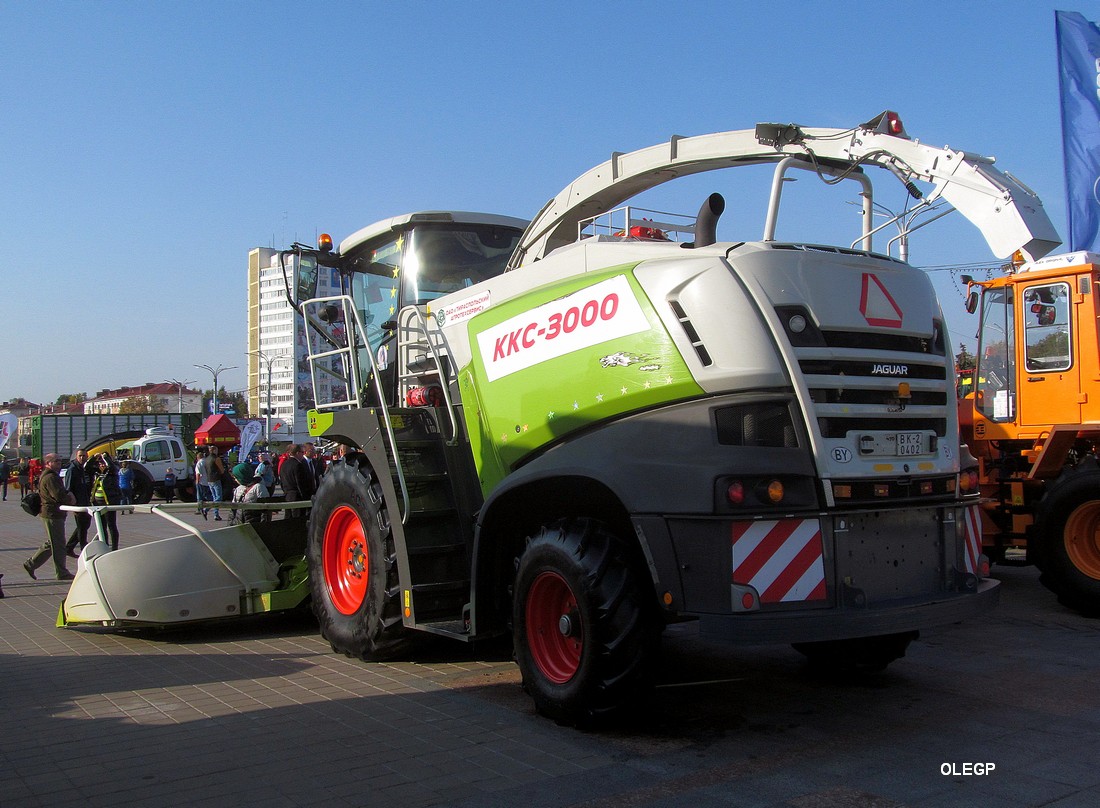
{"x":598,"y":313}
{"x":878,"y":306}
{"x":972,"y":524}
{"x":780,"y":558}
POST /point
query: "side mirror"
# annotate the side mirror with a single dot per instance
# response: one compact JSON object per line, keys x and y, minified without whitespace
{"x":306,"y":280}
{"x":972,"y":301}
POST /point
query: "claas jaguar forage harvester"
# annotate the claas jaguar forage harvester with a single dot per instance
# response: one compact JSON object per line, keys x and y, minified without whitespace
{"x":637,"y":423}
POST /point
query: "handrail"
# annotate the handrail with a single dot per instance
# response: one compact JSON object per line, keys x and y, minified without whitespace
{"x":355,"y":342}
{"x":778,"y":178}
{"x":445,"y":378}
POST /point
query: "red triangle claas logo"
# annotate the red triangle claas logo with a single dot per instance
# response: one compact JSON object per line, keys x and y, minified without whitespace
{"x":877,"y":306}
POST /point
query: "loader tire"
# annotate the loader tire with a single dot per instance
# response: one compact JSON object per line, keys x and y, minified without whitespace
{"x":353,"y":577}
{"x":586,"y":638}
{"x":1068,"y":530}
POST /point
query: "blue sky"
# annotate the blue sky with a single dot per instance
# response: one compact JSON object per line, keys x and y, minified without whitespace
{"x":145,"y":147}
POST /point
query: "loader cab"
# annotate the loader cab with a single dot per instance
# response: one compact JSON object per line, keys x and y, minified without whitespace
{"x":1029,"y":372}
{"x":406,"y":261}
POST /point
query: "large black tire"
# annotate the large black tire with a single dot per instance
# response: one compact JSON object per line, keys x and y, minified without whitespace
{"x":586,"y":638}
{"x":352,"y":562}
{"x":143,"y":485}
{"x":185,"y":490}
{"x":1068,"y":531}
{"x":856,"y":655}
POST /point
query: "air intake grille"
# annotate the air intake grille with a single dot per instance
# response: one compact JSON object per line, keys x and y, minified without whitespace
{"x":764,"y":424}
{"x":692,"y":334}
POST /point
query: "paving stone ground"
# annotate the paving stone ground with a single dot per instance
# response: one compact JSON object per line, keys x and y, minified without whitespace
{"x":262,"y":713}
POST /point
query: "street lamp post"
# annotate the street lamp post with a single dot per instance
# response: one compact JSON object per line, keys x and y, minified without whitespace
{"x":216,"y":371}
{"x":268,"y":360}
{"x":179,"y":390}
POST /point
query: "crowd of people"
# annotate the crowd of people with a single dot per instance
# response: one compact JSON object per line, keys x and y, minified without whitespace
{"x":92,"y":481}
{"x":103,"y":480}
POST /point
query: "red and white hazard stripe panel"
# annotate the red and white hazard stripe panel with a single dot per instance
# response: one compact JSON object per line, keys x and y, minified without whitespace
{"x":780,"y":558}
{"x":972,"y":525}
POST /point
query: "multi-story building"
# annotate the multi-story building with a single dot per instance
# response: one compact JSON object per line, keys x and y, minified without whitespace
{"x":279,"y":384}
{"x":162,"y":397}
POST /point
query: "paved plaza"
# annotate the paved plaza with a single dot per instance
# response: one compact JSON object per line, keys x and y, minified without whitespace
{"x":262,"y":713}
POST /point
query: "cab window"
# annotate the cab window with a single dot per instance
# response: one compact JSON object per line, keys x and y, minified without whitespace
{"x":156,"y":451}
{"x":1046,"y":328}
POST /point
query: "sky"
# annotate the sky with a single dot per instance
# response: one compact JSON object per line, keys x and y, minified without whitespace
{"x":146,"y":147}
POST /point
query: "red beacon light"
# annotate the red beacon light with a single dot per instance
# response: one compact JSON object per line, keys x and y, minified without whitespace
{"x":888,"y":123}
{"x":324,"y":243}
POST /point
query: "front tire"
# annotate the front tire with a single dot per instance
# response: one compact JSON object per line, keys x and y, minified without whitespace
{"x":143,"y":486}
{"x":586,"y":637}
{"x":352,"y":564}
{"x":1069,"y":536}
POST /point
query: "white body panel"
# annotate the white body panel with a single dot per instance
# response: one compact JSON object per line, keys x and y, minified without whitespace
{"x":169,"y":581}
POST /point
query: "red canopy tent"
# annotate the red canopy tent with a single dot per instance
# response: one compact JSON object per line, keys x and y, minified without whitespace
{"x":218,"y":430}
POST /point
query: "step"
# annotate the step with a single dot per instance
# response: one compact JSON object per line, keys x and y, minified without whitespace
{"x":442,"y":587}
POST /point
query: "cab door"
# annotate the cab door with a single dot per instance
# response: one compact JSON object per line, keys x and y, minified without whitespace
{"x":1050,"y":370}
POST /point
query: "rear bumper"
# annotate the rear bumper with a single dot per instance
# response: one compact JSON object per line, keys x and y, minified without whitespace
{"x":755,"y":628}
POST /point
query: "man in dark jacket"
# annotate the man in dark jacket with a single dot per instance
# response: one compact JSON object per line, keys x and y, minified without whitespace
{"x":5,"y":472}
{"x":53,"y":493}
{"x":80,"y":485}
{"x":295,"y":479}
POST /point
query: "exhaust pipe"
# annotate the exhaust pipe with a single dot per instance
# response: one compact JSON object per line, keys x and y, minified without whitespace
{"x":706,"y":223}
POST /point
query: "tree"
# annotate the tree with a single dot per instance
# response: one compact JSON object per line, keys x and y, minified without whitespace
{"x":71,"y":398}
{"x":964,"y":360}
{"x":138,"y":405}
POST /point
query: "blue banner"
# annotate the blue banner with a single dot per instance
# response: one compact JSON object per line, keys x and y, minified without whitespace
{"x":1079,"y":81}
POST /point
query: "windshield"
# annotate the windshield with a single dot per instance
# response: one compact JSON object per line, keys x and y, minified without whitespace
{"x":417,"y":265}
{"x":995,"y":397}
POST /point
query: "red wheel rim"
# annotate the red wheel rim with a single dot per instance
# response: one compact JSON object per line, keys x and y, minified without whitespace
{"x":345,"y":560}
{"x":554,"y":631}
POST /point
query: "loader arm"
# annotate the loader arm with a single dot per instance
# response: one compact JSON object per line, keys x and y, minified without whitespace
{"x":1009,"y":215}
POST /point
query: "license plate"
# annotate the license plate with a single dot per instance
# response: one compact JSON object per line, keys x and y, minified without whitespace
{"x":910,"y":443}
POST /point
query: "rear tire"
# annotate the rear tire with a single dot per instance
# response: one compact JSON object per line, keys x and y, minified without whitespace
{"x":585,"y":638}
{"x":352,"y":564}
{"x":1069,"y":534}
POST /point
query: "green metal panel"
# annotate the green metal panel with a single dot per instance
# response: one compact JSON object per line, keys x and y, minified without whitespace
{"x":561,"y":358}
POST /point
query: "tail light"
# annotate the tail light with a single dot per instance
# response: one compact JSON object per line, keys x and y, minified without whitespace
{"x":766,"y":492}
{"x":968,"y":481}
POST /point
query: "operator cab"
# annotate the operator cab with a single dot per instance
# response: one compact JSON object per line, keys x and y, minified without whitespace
{"x":393,"y":266}
{"x":1029,"y":371}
